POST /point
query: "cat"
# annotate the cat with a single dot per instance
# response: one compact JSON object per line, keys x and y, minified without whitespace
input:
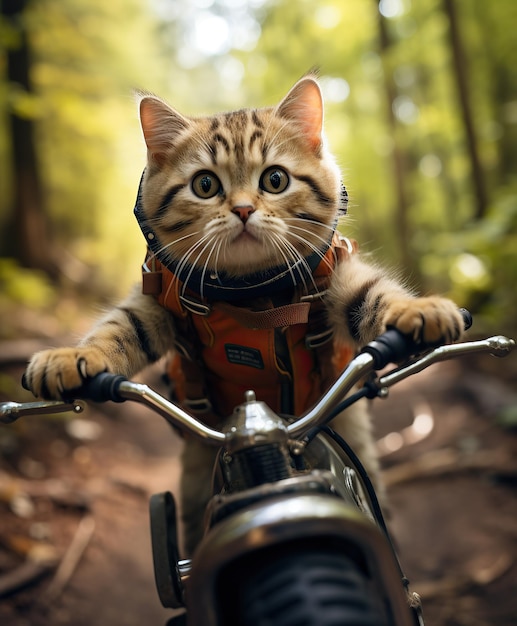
{"x":231,"y":202}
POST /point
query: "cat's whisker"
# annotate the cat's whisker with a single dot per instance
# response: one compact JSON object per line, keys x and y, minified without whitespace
{"x":304,"y":220}
{"x":179,"y":240}
{"x":311,"y":233}
{"x":211,"y":241}
{"x":303,"y":260}
{"x":184,"y":260}
{"x":295,"y":257}
{"x":215,"y":273}
{"x":281,"y":243}
{"x":307,"y":242}
{"x":321,"y":253}
{"x":205,"y":264}
{"x":316,"y":250}
{"x":208,"y":243}
{"x":312,"y":246}
{"x":216,"y":260}
{"x":175,"y":242}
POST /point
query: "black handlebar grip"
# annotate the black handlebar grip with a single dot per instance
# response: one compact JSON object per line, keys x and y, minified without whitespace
{"x":395,"y":347}
{"x":467,"y":318}
{"x":390,"y":347}
{"x":101,"y":388}
{"x":25,"y":384}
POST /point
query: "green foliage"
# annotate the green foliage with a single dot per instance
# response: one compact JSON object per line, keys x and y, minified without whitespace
{"x":387,"y":92}
{"x":89,"y":146}
{"x":23,"y":286}
{"x":507,"y":418}
{"x":484,"y":272}
{"x":472,"y":260}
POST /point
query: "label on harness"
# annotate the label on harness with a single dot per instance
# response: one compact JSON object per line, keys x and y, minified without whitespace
{"x":240,"y":355}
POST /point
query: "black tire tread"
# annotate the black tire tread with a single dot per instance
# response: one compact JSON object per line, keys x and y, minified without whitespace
{"x":307,"y":588}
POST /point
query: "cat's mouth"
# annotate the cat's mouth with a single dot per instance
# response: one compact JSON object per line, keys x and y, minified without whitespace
{"x":245,"y":235}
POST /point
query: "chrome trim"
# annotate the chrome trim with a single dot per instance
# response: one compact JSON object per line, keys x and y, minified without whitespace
{"x":171,"y":412}
{"x":361,"y":365}
{"x":498,"y":345}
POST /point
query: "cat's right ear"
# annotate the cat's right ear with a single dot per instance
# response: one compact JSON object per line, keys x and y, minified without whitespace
{"x":304,"y":106}
{"x":161,"y":126}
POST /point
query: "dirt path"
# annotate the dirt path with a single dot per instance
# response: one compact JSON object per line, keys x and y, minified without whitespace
{"x":452,"y":494}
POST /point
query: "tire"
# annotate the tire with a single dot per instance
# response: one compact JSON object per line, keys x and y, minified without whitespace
{"x":307,"y":588}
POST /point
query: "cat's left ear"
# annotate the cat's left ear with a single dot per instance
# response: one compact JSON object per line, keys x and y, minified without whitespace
{"x":304,"y":106}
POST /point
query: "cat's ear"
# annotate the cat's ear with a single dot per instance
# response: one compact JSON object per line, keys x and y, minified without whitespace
{"x":161,"y":126}
{"x":304,"y":106}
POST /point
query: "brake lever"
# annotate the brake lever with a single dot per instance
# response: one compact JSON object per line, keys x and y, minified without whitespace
{"x":12,"y":411}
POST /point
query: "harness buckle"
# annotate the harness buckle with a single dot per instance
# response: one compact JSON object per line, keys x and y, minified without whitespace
{"x":195,"y":306}
{"x":315,"y":340}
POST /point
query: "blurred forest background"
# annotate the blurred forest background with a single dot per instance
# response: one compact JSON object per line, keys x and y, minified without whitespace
{"x":421,"y":101}
{"x":421,"y":111}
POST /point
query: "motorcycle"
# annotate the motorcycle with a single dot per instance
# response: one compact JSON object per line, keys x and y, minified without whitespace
{"x":294,"y":533}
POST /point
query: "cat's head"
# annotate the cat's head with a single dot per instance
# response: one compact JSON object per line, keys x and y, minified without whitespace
{"x":242,"y":192}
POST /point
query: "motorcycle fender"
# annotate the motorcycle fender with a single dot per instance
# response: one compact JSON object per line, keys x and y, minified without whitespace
{"x":285,"y":519}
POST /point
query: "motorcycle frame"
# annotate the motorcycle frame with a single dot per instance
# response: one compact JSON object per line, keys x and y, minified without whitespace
{"x":326,"y":505}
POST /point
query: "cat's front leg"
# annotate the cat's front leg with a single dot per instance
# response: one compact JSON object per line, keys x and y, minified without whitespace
{"x":135,"y":333}
{"x":363,"y":301}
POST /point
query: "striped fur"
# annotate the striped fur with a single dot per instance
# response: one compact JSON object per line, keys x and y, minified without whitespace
{"x":215,"y":193}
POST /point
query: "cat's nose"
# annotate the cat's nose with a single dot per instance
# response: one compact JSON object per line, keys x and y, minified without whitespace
{"x":243,"y":212}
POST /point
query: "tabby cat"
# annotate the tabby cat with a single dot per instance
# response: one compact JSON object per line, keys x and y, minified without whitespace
{"x":241,"y":209}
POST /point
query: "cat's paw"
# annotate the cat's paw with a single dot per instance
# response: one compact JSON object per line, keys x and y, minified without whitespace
{"x":429,"y":320}
{"x":52,"y":373}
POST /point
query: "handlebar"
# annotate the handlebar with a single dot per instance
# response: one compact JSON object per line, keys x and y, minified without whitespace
{"x":390,"y":347}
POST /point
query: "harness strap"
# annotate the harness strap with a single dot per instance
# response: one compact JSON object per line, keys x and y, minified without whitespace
{"x":278,"y":317}
{"x":187,"y":374}
{"x":187,"y":367}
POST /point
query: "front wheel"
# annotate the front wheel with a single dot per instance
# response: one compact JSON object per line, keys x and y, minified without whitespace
{"x":306,"y":588}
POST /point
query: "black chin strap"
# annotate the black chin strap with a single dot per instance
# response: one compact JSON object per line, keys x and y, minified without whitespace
{"x":343,"y":201}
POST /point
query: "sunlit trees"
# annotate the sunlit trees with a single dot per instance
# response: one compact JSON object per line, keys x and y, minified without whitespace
{"x":420,"y":110}
{"x":76,"y":102}
{"x":26,"y":233}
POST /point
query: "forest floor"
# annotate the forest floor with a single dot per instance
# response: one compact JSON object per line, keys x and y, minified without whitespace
{"x":74,"y":537}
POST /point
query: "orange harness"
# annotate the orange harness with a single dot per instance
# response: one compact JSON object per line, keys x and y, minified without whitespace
{"x":279,"y":346}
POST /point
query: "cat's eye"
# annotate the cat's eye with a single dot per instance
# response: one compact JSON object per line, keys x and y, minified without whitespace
{"x":274,"y":180}
{"x":206,"y":185}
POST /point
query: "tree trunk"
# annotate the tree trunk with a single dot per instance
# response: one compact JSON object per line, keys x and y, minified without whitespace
{"x":397,"y":155}
{"x":28,"y":230}
{"x":460,"y":77}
